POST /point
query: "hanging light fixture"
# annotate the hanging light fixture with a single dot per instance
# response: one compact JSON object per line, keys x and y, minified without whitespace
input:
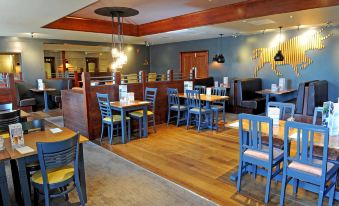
{"x":118,"y":53}
{"x":219,"y":57}
{"x":279,"y":57}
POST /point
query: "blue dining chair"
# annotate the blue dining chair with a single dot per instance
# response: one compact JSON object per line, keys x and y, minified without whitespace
{"x":59,"y":168}
{"x":253,"y":153}
{"x":174,"y":105}
{"x":286,"y":111}
{"x":112,"y":122}
{"x":200,"y":88}
{"x":195,"y":108}
{"x":150,"y":96}
{"x":219,"y":106}
{"x":317,"y":110}
{"x":317,"y":175}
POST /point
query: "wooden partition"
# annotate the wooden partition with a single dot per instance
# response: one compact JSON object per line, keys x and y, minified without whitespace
{"x":8,"y":94}
{"x":85,"y":101}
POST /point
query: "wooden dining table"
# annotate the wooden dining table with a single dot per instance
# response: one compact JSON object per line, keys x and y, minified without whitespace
{"x":19,"y":161}
{"x":209,"y":99}
{"x":279,"y":132}
{"x":124,"y":107}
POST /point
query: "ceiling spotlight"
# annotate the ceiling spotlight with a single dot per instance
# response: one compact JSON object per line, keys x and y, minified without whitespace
{"x":235,"y":35}
{"x":291,"y":17}
{"x":32,"y":34}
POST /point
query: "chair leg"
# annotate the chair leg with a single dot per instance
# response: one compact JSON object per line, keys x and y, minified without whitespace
{"x":216,"y":120}
{"x":155,"y":131}
{"x":129,"y":130}
{"x":239,"y":175}
{"x":102,"y":132}
{"x":321,"y":195}
{"x":224,"y":116}
{"x":332,"y":192}
{"x":168,"y":116}
{"x":111,"y":133}
{"x":46,"y":196}
{"x":199,"y":123}
{"x":268,"y":185}
{"x":178,"y":118}
{"x":78,"y":188}
{"x":140,"y":127}
{"x":188,"y":121}
{"x":28,"y":174}
{"x":36,"y":197}
{"x":295,"y":186}
{"x":283,"y":187}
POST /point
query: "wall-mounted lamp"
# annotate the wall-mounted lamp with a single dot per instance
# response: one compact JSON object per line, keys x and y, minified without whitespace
{"x":279,"y":57}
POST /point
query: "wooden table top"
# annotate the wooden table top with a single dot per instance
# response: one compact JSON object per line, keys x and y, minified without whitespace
{"x":209,"y":98}
{"x":42,"y":136}
{"x":135,"y":103}
{"x":278,"y":132}
{"x":23,"y":114}
{"x":4,"y":155}
{"x":42,"y":90}
{"x":269,"y":91}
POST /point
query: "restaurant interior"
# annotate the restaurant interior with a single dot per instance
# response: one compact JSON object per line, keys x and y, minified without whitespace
{"x":191,"y":102}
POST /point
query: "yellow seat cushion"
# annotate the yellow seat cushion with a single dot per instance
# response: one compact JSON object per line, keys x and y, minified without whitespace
{"x":5,"y":135}
{"x":54,"y":176}
{"x":116,"y":118}
{"x":140,"y":113}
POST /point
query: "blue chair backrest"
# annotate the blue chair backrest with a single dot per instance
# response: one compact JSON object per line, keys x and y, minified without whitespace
{"x":6,"y":107}
{"x":34,"y":125}
{"x":193,"y":98}
{"x":58,"y":154}
{"x":151,"y":96}
{"x":219,"y":91}
{"x":200,"y":88}
{"x":285,"y":108}
{"x":251,"y":136}
{"x":317,"y":110}
{"x":104,"y":105}
{"x":173,"y":97}
{"x":305,"y":143}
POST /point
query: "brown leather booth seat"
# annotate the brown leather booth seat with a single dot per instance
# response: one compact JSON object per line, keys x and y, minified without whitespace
{"x":244,"y":96}
{"x":208,"y":82}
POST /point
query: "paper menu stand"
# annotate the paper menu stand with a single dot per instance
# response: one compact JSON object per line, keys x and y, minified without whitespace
{"x":2,"y":141}
{"x":188,"y":85}
{"x":130,"y":96}
{"x":274,"y":113}
{"x":40,"y":84}
{"x":122,"y":92}
{"x":282,"y":84}
{"x":208,"y":91}
{"x":330,"y":117}
{"x":226,"y":80}
{"x":216,"y":84}
{"x":16,"y":135}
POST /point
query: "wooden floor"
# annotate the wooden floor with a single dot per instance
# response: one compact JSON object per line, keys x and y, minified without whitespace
{"x":201,"y":162}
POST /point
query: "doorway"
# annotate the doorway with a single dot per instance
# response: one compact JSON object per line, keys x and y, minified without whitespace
{"x":198,"y":59}
{"x":50,"y":67}
{"x":92,"y":64}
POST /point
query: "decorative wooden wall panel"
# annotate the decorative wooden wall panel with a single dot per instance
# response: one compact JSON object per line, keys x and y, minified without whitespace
{"x":294,"y":51}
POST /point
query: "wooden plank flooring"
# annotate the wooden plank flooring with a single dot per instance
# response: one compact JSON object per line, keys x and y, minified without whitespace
{"x":201,"y":162}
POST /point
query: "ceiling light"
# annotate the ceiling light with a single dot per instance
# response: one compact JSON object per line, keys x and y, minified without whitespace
{"x":118,"y":54}
{"x":279,"y":57}
{"x":219,"y":57}
{"x":291,"y":17}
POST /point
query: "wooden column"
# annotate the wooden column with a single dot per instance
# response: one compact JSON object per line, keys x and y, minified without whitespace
{"x":117,"y":77}
{"x":11,"y":85}
{"x":76,"y":79}
{"x":170,"y":76}
{"x":86,"y":80}
{"x":63,"y":58}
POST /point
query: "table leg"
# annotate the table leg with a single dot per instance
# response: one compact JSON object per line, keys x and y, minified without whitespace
{"x":23,"y":181}
{"x":46,"y":101}
{"x":82,"y":175}
{"x":145,"y":122}
{"x":123,"y":126}
{"x":267,"y":100}
{"x":4,"y":185}
{"x":16,"y":182}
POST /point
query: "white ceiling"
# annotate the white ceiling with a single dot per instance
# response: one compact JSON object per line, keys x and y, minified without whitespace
{"x":19,"y":18}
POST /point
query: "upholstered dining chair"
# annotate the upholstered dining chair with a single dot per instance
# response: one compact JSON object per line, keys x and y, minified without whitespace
{"x":150,"y":96}
{"x":108,"y":119}
{"x":253,"y":153}
{"x":195,"y":108}
{"x":6,"y":107}
{"x":219,"y":106}
{"x":174,"y":105}
{"x":7,"y":118}
{"x":318,"y":175}
{"x":200,"y":88}
{"x":59,"y":168}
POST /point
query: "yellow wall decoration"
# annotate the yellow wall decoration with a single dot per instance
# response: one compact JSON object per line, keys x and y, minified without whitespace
{"x":294,"y":51}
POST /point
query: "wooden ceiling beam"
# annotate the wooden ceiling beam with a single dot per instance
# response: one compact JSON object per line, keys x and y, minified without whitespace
{"x":228,"y":13}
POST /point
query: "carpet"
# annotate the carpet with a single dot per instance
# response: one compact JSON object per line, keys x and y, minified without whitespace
{"x":112,"y":180}
{"x":58,"y":120}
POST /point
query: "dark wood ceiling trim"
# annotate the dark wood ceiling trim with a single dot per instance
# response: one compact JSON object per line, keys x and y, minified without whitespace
{"x":228,"y":13}
{"x":233,"y":12}
{"x":91,"y":25}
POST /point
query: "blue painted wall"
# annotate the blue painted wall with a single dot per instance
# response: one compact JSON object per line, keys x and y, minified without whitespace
{"x":239,"y":63}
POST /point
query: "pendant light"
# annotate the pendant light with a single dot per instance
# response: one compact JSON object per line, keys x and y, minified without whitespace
{"x":279,"y":57}
{"x":118,"y":53}
{"x":219,"y":57}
